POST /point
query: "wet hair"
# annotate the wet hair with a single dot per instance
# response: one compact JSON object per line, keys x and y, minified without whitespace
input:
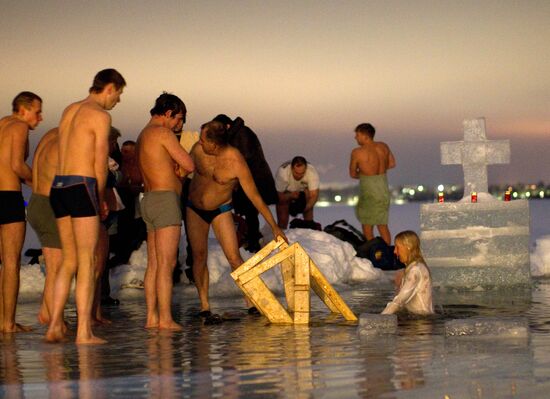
{"x":25,"y":99}
{"x":105,"y":77}
{"x":366,"y":128}
{"x":298,"y":161}
{"x":410,"y":240}
{"x":223,"y":118}
{"x":168,"y":102}
{"x":216,"y":132}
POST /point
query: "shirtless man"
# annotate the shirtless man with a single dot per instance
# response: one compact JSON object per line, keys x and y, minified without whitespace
{"x":219,"y":168}
{"x":369,"y":163}
{"x":77,"y":197}
{"x":14,"y":149}
{"x":41,"y":217}
{"x":163,"y":162}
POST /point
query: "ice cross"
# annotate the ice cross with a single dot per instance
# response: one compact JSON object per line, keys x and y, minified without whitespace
{"x":475,"y":153}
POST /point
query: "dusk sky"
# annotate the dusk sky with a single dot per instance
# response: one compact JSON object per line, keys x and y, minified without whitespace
{"x":303,"y":74}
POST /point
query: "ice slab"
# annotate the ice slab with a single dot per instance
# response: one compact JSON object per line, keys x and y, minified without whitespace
{"x":540,"y":258}
{"x":487,"y":327}
{"x":375,"y":324}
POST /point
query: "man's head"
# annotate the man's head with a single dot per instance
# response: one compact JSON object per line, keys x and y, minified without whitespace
{"x":109,"y":83}
{"x":213,"y":136}
{"x":114,"y":134}
{"x":128,"y":150}
{"x":299,"y":167}
{"x":224,"y":119}
{"x":367,"y":129}
{"x":28,"y":107}
{"x":171,"y":107}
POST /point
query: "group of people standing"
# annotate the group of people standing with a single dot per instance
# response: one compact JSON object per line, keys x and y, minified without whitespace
{"x":69,"y":204}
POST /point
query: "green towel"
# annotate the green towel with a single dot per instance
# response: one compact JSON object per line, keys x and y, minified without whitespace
{"x":374,"y":200}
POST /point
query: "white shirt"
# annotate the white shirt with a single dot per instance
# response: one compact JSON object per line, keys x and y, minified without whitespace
{"x":284,"y":181}
{"x":415,"y":293}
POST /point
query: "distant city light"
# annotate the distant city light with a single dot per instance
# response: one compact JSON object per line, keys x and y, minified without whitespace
{"x":337,"y":198}
{"x":420,"y":188}
{"x":411,"y":192}
{"x":440,"y":188}
{"x":515,"y":194}
{"x":541,"y":194}
{"x":453,"y":188}
{"x":527,"y":194}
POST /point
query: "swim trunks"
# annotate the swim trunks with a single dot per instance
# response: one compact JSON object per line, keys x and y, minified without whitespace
{"x":374,"y":200}
{"x":209,"y":215}
{"x":160,"y":209}
{"x":74,"y":196}
{"x":12,"y":207}
{"x":42,"y":220}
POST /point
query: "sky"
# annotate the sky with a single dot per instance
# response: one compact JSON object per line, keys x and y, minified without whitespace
{"x":303,"y":74}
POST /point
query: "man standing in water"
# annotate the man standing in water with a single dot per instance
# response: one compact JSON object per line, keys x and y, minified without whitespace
{"x":14,"y":149}
{"x":78,"y":201}
{"x":369,"y":163}
{"x":158,"y":151}
{"x":219,"y":168}
{"x":41,"y":217}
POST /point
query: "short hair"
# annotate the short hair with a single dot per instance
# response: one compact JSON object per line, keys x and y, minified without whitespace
{"x":366,"y":128}
{"x":168,"y":102}
{"x":298,"y":161}
{"x":129,"y":142}
{"x":216,"y":132}
{"x":410,"y":240}
{"x":105,"y":77}
{"x":25,"y":99}
{"x":114,"y":133}
{"x":223,"y":118}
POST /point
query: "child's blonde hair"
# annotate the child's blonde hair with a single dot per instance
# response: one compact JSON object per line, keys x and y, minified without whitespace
{"x":410,"y":240}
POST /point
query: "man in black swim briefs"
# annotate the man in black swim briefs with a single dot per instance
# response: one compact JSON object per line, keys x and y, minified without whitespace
{"x":219,"y":168}
{"x":77,"y":197}
{"x":14,"y":147}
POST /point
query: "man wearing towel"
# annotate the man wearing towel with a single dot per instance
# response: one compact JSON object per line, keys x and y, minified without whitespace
{"x":369,"y":163}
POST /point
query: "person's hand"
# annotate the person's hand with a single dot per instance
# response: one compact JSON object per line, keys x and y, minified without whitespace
{"x":103,"y":210}
{"x":277,"y":232}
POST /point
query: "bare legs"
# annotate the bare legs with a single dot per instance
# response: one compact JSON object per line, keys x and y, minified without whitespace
{"x":12,"y":236}
{"x":162,"y":247}
{"x":52,"y":257}
{"x":78,"y":239}
{"x":382,"y":229}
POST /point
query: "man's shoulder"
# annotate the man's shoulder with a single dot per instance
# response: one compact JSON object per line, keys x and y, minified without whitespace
{"x":12,"y":125}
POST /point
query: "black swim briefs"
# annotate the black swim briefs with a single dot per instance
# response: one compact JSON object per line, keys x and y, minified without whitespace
{"x":74,"y":196}
{"x":12,"y":207}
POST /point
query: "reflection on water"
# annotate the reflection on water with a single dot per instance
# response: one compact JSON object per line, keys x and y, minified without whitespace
{"x":250,"y":358}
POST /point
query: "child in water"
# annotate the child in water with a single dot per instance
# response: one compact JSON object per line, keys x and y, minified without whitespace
{"x":415,"y":291}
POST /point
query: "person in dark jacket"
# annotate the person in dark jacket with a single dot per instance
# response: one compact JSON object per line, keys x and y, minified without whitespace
{"x":247,"y":142}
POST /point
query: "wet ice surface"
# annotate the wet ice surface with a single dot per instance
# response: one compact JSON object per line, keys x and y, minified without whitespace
{"x":328,"y":358}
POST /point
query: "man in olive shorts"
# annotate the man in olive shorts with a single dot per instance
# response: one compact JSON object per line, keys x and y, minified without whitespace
{"x":41,"y":217}
{"x":163,"y":163}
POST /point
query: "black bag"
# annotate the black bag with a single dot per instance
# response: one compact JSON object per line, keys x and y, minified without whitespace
{"x":298,"y":223}
{"x":380,"y":254}
{"x":345,"y":232}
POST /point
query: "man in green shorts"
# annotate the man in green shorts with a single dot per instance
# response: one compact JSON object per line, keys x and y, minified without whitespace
{"x":41,"y":217}
{"x":369,"y":163}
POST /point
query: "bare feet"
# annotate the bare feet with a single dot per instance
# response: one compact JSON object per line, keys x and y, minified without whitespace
{"x":53,"y":337}
{"x":90,"y":340}
{"x":16,"y":328}
{"x":101,"y":321}
{"x":43,"y":317}
{"x":172,"y":326}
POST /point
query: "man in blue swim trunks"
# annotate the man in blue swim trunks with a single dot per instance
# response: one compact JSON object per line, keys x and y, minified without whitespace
{"x":219,"y":168}
{"x":77,"y":197}
{"x":163,"y":163}
{"x":14,"y":147}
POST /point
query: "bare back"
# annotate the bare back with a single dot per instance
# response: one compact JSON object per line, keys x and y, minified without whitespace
{"x":158,"y":153}
{"x":215,"y":177}
{"x":14,"y":148}
{"x":44,"y":164}
{"x":82,"y":124}
{"x":370,"y":159}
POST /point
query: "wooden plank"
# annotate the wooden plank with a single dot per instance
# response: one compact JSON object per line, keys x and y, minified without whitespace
{"x":266,"y":264}
{"x":266,"y":302}
{"x":325,"y":291}
{"x":258,"y":257}
{"x":287,"y":271}
{"x":301,"y":311}
{"x":301,"y":286}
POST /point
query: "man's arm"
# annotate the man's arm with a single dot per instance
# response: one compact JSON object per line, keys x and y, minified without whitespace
{"x":101,"y":153}
{"x":176,"y":152}
{"x":353,"y":165}
{"x":391,"y":160}
{"x":19,"y":145}
{"x":247,"y":183}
